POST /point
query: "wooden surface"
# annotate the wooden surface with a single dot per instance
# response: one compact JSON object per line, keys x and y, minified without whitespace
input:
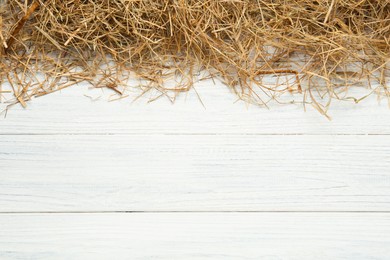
{"x":82,"y":179}
{"x":196,"y":236}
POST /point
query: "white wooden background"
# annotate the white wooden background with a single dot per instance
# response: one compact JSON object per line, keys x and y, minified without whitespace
{"x":82,"y":179}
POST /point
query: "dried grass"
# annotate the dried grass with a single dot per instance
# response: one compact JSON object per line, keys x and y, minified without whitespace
{"x":324,"y":45}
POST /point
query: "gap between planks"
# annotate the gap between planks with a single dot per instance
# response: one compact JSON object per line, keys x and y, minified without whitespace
{"x":201,"y":212}
{"x":192,"y":134}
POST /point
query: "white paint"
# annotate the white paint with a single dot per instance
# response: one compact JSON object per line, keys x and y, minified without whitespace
{"x":270,"y":236}
{"x":66,"y":154}
{"x":194,"y":172}
{"x":70,"y":112}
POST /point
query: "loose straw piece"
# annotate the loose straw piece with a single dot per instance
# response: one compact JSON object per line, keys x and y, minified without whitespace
{"x":21,"y":23}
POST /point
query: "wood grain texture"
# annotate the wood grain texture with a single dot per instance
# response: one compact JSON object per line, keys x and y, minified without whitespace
{"x":195,"y":236}
{"x":245,"y":166}
{"x":194,"y":173}
{"x":70,"y":112}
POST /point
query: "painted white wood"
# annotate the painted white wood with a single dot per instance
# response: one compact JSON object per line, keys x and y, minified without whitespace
{"x":70,"y":112}
{"x":66,"y":153}
{"x":195,"y":236}
{"x":194,"y":173}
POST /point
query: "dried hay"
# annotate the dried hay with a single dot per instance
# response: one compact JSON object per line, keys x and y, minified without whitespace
{"x":323,"y":45}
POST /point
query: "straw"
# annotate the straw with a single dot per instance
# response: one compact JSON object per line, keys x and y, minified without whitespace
{"x":324,"y":45}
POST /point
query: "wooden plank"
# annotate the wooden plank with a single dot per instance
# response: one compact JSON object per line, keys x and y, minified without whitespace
{"x":70,"y":112}
{"x":195,"y":236}
{"x":194,"y":173}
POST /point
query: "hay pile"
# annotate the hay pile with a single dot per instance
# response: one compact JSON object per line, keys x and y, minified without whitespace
{"x":317,"y":45}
